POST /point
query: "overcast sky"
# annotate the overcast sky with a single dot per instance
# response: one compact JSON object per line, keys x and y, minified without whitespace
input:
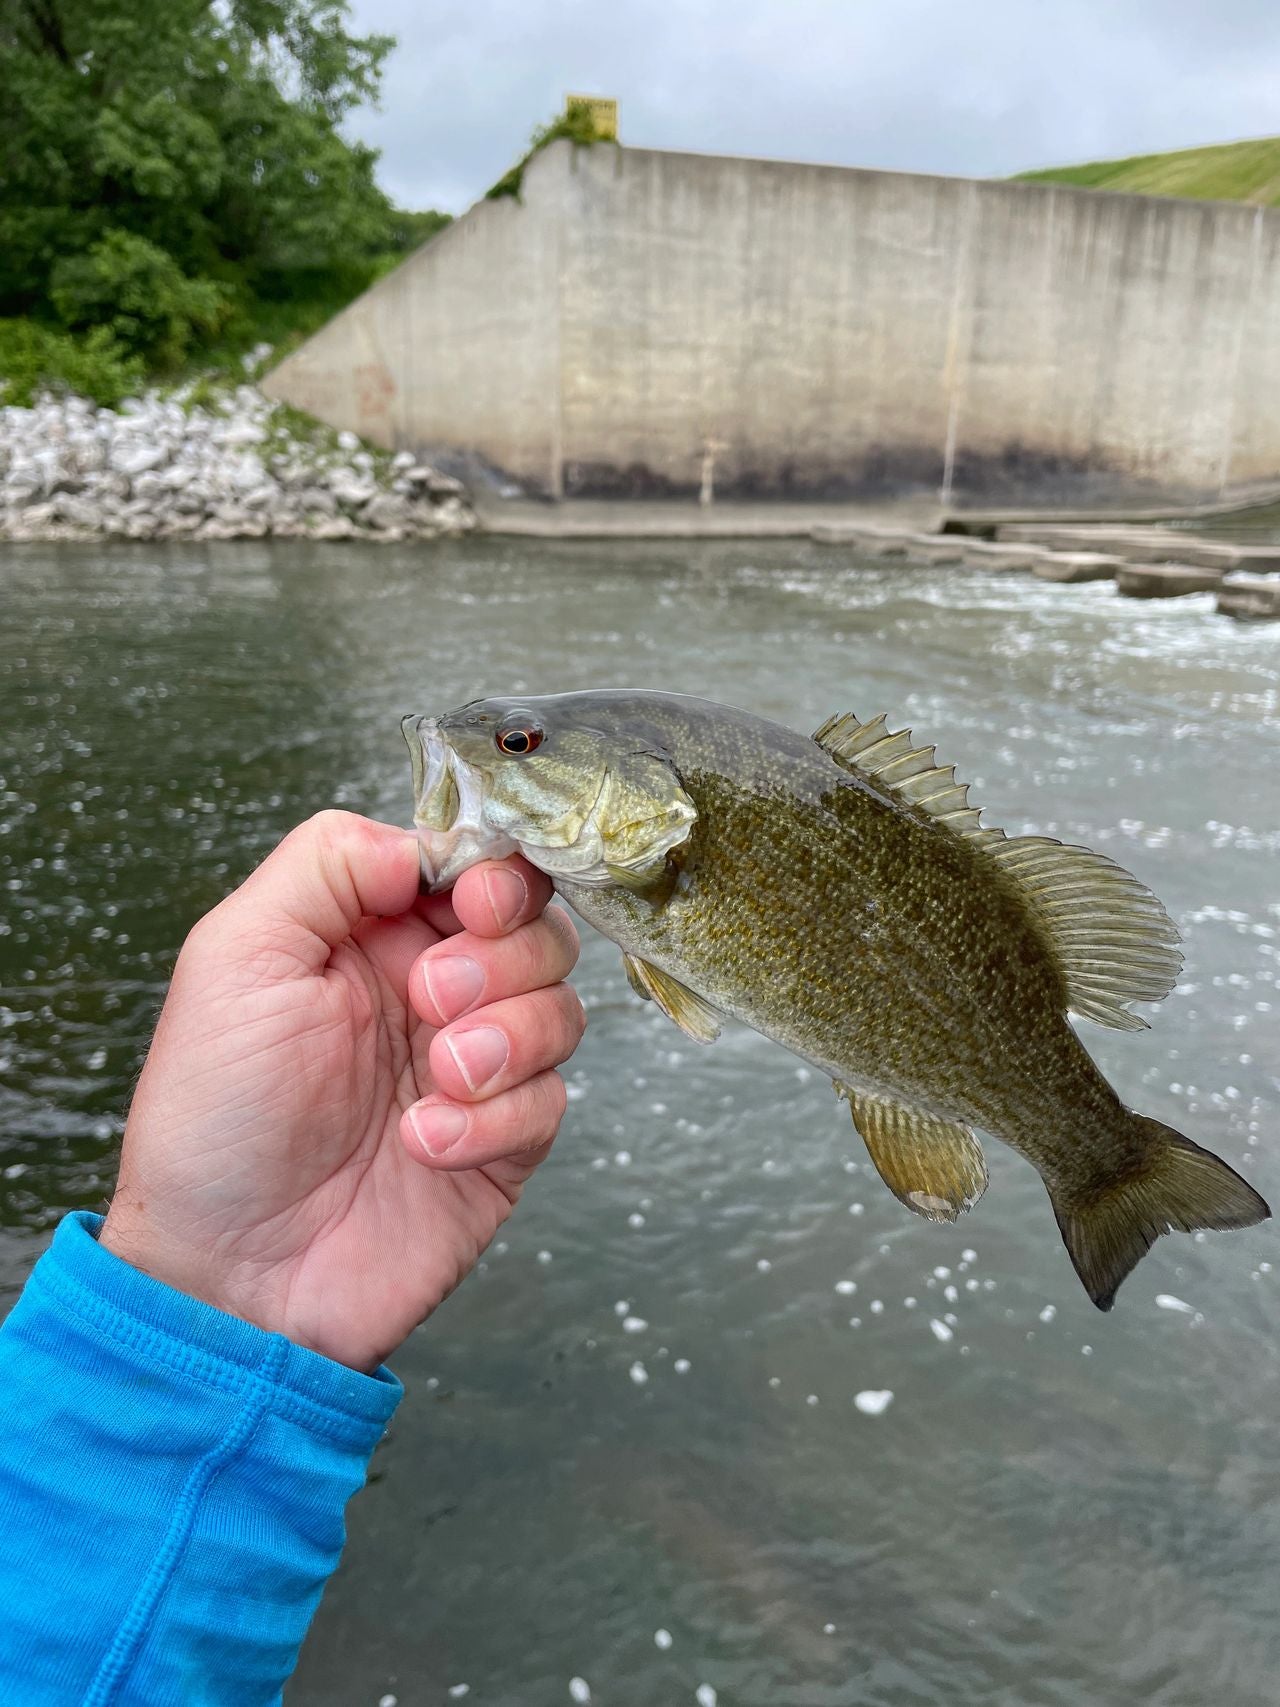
{"x":962,"y":86}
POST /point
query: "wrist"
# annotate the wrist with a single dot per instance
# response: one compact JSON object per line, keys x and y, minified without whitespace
{"x":128,"y":1234}
{"x":250,"y":1291}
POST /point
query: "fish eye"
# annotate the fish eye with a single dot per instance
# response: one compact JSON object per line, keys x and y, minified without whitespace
{"x":518,"y":739}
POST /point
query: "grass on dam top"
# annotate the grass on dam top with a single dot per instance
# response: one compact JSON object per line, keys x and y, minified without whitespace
{"x":1232,"y":171}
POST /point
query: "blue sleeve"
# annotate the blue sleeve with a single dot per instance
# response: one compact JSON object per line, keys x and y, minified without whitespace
{"x":172,"y":1486}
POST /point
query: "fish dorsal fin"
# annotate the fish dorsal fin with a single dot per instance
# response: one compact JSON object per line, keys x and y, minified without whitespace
{"x":683,"y":1007}
{"x":1112,"y":940}
{"x":1108,"y":934}
{"x":887,"y":758}
{"x":934,"y":1166}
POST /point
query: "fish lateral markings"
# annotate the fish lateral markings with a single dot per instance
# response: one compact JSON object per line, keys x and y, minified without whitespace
{"x":840,"y":895}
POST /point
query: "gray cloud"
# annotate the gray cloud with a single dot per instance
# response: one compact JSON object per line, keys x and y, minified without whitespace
{"x":983,"y":87}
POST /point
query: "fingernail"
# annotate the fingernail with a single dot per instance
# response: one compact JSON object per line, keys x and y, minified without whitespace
{"x":454,"y":982}
{"x":437,"y":1126}
{"x":507,"y":892}
{"x":478,"y":1054}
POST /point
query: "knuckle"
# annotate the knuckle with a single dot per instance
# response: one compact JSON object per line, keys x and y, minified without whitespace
{"x":557,"y":1094}
{"x":331,"y":824}
{"x":545,"y":1110}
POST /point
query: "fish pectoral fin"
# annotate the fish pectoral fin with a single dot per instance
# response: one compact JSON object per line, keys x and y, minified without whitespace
{"x":683,"y":1007}
{"x":934,"y":1166}
{"x":654,"y":881}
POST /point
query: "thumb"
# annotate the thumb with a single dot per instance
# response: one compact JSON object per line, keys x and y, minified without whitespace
{"x":311,"y":892}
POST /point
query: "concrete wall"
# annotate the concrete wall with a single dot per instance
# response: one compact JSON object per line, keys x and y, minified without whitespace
{"x":824,"y":333}
{"x":457,"y":349}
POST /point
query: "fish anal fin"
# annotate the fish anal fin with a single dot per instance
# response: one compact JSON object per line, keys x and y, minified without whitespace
{"x":934,"y":1166}
{"x":683,"y":1007}
{"x":1109,"y":936}
{"x":1177,"y":1187}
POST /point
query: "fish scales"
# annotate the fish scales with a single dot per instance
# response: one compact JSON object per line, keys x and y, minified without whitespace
{"x":838,"y":895}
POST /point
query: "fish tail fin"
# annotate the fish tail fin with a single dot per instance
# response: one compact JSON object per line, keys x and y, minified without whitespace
{"x":1177,"y":1187}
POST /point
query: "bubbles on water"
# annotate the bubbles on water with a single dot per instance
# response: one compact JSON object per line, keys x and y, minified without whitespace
{"x":940,"y":1330}
{"x":638,"y":1373}
{"x":873,"y":1401}
{"x":579,"y":1689}
{"x":662,"y":1639}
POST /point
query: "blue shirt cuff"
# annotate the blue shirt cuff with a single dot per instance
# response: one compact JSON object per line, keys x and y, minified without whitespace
{"x":189,"y":1335}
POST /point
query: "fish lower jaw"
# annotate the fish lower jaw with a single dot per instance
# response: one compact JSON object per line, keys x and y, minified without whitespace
{"x":443,"y":855}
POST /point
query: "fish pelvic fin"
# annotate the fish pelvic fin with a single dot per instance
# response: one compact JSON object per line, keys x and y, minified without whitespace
{"x":683,"y":1007}
{"x":1177,"y":1187}
{"x":933,"y":1166}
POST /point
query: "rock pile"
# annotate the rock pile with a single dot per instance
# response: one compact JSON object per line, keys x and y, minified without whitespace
{"x":165,"y":467}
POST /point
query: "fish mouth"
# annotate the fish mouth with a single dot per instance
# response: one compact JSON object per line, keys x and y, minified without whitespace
{"x":436,"y":796}
{"x":448,"y":807}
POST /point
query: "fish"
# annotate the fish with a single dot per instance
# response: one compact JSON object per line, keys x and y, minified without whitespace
{"x":839,"y":894}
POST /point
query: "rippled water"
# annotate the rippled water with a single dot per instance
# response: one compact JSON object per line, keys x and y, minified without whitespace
{"x":640,"y":1415}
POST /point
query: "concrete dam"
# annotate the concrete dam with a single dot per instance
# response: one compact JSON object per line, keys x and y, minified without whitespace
{"x":651,"y":324}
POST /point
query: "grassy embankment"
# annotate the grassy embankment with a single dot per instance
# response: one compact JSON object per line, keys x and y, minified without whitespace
{"x":1230,"y":171}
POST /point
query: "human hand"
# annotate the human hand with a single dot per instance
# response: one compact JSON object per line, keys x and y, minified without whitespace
{"x":327,"y":1032}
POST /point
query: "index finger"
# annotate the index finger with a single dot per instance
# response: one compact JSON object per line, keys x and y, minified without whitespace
{"x":498,"y":896}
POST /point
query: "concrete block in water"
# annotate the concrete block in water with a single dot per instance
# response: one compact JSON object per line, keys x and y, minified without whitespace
{"x":1258,"y":559}
{"x":1000,"y":555}
{"x":1165,"y":580}
{"x":1250,"y":598}
{"x":1133,"y":544}
{"x":1077,"y":566}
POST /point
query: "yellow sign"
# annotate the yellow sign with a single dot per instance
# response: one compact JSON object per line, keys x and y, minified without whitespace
{"x":604,"y":114}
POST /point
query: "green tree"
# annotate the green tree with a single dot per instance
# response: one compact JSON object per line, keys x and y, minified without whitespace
{"x":167,"y":164}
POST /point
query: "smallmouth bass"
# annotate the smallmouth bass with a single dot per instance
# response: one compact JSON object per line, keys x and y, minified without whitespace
{"x":840,"y":895}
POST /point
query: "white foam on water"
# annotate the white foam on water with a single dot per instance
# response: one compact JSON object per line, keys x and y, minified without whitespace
{"x":1167,"y":1301}
{"x":634,"y":1325}
{"x":662,"y":1639}
{"x":704,"y":1695}
{"x":940,"y":1329}
{"x":579,"y":1689}
{"x":638,"y":1373}
{"x":873,"y":1401}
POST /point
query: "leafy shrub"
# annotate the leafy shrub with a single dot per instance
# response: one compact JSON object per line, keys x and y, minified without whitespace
{"x":34,"y":358}
{"x":140,"y":294}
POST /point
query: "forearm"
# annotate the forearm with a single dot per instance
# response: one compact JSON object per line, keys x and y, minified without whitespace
{"x":172,"y":1486}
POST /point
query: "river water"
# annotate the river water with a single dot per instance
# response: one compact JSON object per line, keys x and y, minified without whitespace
{"x":639,"y":1416}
